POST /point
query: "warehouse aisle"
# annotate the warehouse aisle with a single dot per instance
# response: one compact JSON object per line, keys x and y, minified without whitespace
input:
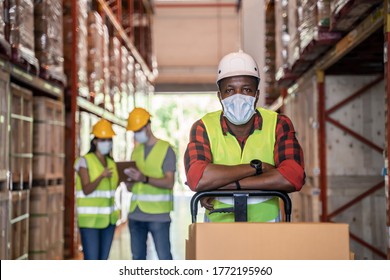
{"x":181,"y":218}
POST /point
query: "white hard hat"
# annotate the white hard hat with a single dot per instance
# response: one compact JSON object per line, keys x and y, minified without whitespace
{"x":237,"y":64}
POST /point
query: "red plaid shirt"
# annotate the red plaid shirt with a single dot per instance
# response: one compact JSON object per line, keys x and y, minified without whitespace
{"x":288,"y":155}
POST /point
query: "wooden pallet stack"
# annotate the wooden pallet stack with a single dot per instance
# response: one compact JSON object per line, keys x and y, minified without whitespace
{"x":47,"y":193}
{"x":48,"y":141}
{"x":20,"y":156}
{"x":46,"y":223}
{"x":21,"y":121}
{"x":19,"y":235}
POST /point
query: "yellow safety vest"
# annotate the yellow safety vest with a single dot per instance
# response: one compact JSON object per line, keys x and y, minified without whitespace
{"x":148,"y":198}
{"x":226,"y":150}
{"x":97,"y":209}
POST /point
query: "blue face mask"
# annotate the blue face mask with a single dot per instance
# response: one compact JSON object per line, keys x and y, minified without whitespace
{"x":239,"y":108}
{"x":104,"y":147}
{"x":141,"y":136}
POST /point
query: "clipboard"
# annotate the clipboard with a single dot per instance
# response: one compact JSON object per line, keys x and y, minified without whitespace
{"x":121,"y":166}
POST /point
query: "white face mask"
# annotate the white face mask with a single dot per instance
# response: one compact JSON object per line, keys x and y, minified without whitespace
{"x":239,"y":108}
{"x":141,"y":136}
{"x":104,"y":147}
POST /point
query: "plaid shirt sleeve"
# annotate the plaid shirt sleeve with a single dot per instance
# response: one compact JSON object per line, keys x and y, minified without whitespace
{"x":288,"y":154}
{"x":197,"y":154}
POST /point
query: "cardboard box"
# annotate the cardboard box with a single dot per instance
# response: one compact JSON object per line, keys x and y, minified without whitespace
{"x":269,"y":241}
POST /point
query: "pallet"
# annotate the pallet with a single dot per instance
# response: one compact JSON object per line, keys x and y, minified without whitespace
{"x":47,"y":182}
{"x":46,"y":222}
{"x":19,"y":224}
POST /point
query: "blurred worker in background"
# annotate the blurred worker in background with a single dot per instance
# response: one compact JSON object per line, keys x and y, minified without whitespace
{"x":96,"y":182}
{"x":243,"y":147}
{"x":151,"y":184}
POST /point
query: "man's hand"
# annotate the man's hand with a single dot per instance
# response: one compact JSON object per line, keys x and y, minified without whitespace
{"x":134,"y":174}
{"x":206,"y":202}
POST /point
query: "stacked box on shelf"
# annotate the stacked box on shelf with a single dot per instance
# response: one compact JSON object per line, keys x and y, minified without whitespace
{"x":48,"y":144}
{"x":19,"y":224}
{"x":21,"y":121}
{"x":95,"y":58}
{"x":284,"y":17}
{"x":46,"y":222}
{"x":344,"y":14}
{"x":5,"y":47}
{"x":49,"y":47}
{"x":4,"y":224}
{"x":269,"y":68}
{"x":281,"y":35}
{"x":122,"y":105}
{"x":81,"y":47}
{"x":315,"y":37}
{"x":20,"y":33}
{"x":115,"y":71}
{"x":294,"y":43}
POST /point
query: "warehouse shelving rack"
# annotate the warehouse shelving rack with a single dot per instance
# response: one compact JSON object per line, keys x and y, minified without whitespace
{"x":121,"y":16}
{"x":355,"y":43}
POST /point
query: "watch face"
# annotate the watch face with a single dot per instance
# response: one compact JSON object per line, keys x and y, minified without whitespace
{"x":257,"y":164}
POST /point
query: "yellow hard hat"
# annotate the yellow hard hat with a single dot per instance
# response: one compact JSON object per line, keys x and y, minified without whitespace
{"x":137,"y":119}
{"x":103,"y":129}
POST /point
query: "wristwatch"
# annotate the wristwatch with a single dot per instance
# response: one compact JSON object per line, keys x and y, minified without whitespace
{"x":258,"y":165}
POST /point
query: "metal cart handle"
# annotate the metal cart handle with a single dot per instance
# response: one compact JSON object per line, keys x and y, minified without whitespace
{"x":235,"y":193}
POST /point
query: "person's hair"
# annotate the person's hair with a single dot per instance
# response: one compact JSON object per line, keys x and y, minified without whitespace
{"x":257,"y":82}
{"x":92,"y":148}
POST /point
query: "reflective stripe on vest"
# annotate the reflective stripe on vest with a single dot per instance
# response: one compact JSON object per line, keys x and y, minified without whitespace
{"x":226,"y":150}
{"x":96,"y":194}
{"x":150,"y":199}
{"x":97,"y":209}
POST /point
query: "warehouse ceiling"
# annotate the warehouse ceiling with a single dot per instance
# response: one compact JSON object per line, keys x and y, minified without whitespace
{"x":189,"y":38}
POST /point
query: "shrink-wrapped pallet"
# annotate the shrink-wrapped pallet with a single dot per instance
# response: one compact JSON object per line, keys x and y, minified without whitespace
{"x":20,"y":32}
{"x":49,"y":39}
{"x":344,"y":14}
{"x":95,"y":58}
{"x":81,"y":47}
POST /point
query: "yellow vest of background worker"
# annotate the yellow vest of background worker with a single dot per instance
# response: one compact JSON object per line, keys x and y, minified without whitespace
{"x":226,"y":150}
{"x":150,"y":199}
{"x":97,"y":210}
